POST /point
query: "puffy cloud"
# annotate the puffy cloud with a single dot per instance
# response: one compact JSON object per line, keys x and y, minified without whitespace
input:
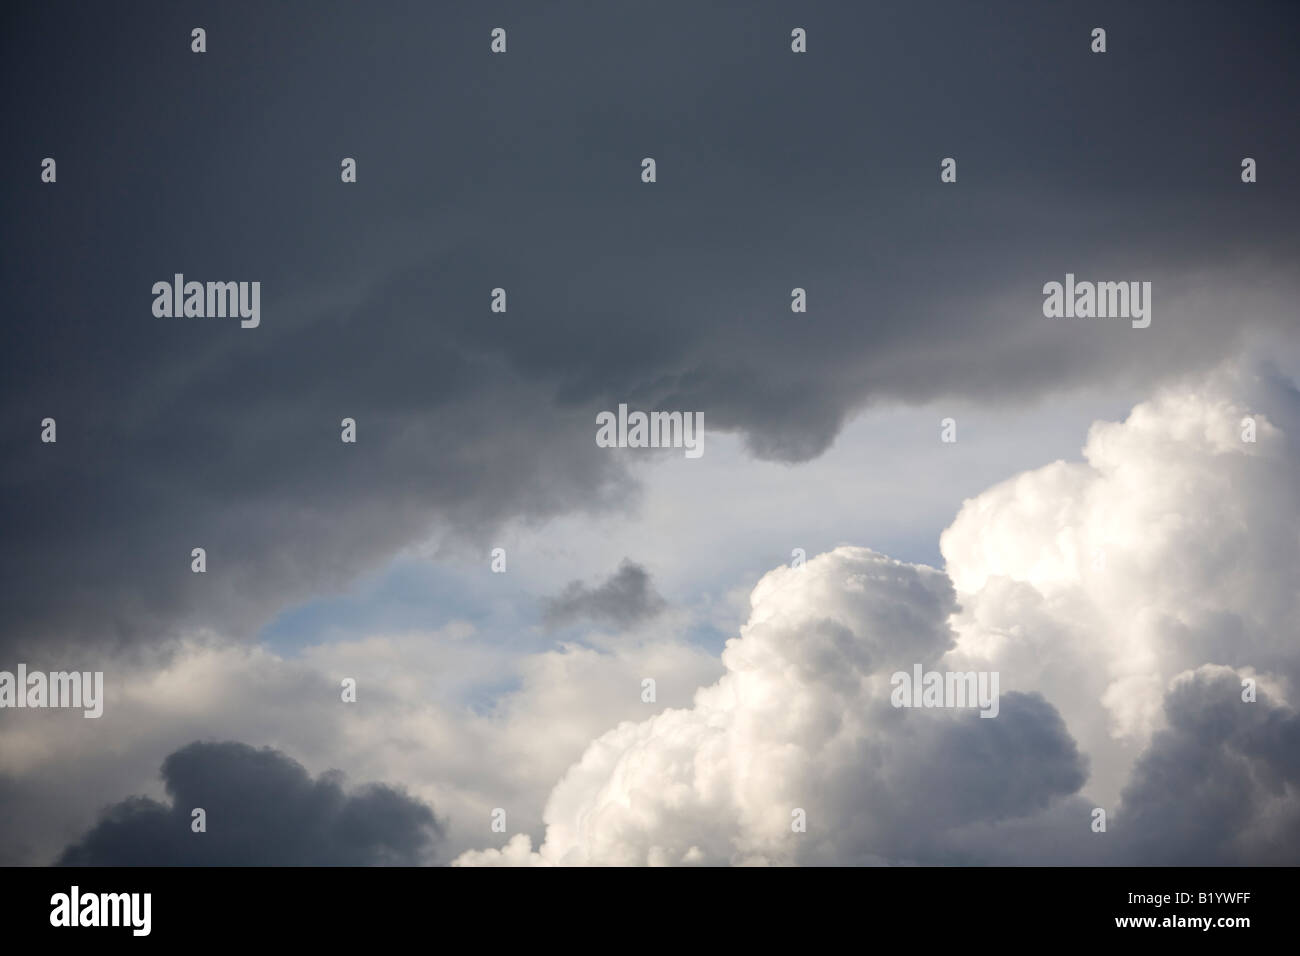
{"x":262,"y":809}
{"x":1173,"y":544}
{"x":1120,"y":598}
{"x":801,"y":721}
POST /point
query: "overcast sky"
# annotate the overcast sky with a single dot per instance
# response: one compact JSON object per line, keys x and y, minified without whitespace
{"x":1098,"y":533}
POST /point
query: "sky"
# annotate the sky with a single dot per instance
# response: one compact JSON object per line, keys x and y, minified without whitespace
{"x":921,"y":468}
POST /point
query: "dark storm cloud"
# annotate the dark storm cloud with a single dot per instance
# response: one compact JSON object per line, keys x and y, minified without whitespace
{"x":522,"y":171}
{"x":625,"y":598}
{"x":263,"y":809}
{"x":1221,"y":785}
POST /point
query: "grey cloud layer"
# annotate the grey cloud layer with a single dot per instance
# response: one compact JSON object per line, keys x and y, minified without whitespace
{"x":521,"y":171}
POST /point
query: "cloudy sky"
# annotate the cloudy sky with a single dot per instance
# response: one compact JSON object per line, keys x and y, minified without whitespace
{"x":1100,"y":534}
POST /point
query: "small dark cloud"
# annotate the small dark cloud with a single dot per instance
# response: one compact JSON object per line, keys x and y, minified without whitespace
{"x":625,"y":598}
{"x":263,"y":809}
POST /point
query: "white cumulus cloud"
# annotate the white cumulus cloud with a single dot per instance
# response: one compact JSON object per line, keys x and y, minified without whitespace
{"x":1094,"y":588}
